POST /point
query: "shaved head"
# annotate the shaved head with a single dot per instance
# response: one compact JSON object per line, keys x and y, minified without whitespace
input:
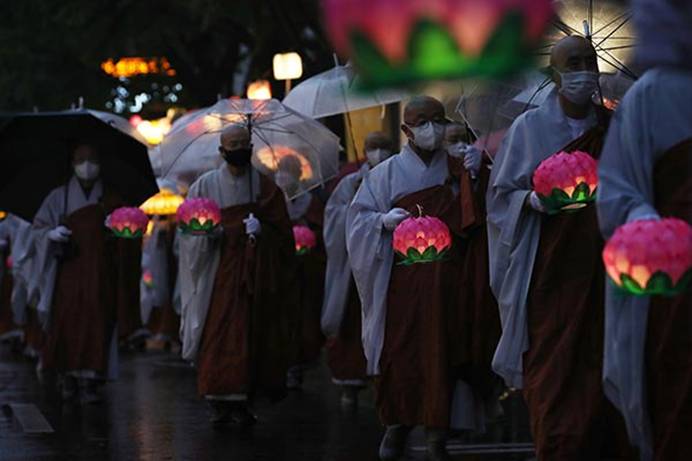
{"x":377,"y":140}
{"x":456,"y":132}
{"x":423,"y":108}
{"x":573,"y":54}
{"x":235,"y":137}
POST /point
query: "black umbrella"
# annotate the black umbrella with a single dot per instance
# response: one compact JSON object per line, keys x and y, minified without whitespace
{"x":35,"y":153}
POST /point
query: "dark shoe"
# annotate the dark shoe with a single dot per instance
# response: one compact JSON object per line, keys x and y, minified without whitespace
{"x":69,"y":388}
{"x":393,"y":443}
{"x":242,"y":417}
{"x":220,"y":413}
{"x":436,"y":441}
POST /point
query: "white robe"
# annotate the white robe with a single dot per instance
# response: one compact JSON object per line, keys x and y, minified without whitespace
{"x":513,"y":230}
{"x":655,"y":115}
{"x":155,"y":260}
{"x":200,"y":255}
{"x":370,"y":245}
{"x":337,"y":281}
{"x":21,"y":249}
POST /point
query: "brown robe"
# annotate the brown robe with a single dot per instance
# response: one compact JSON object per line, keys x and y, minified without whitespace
{"x":88,"y":290}
{"x":423,"y":343}
{"x":345,"y":356}
{"x":248,"y":341}
{"x":669,"y":335}
{"x":311,"y":272}
{"x":569,"y":414}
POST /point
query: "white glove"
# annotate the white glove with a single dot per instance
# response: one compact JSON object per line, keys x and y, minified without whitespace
{"x":394,"y":217}
{"x":472,"y":160}
{"x":536,"y":203}
{"x":252,"y":225}
{"x":60,"y":234}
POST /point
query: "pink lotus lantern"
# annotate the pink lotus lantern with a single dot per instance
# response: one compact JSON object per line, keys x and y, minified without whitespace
{"x":128,"y":222}
{"x":566,"y":181}
{"x":650,"y":257}
{"x":148,"y":279}
{"x":423,"y":239}
{"x":305,"y":239}
{"x":199,"y":216}
{"x":397,"y":42}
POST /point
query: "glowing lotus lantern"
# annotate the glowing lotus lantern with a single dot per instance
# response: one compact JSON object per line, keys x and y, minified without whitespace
{"x":3,"y":215}
{"x":128,"y":222}
{"x":423,"y":239}
{"x":148,"y":279}
{"x":395,"y":42}
{"x":305,"y":239}
{"x":566,"y":181}
{"x":166,"y":202}
{"x":199,"y":216}
{"x":650,"y":257}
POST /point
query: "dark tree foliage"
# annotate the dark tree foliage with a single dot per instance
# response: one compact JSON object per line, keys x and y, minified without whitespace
{"x":51,"y":50}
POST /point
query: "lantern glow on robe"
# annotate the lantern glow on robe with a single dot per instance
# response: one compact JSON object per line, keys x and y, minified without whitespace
{"x":650,"y":257}
{"x":423,"y":239}
{"x":199,"y":216}
{"x":395,"y":42}
{"x":566,"y":182}
{"x":305,"y":239}
{"x":166,"y":202}
{"x":148,"y":279}
{"x":128,"y":222}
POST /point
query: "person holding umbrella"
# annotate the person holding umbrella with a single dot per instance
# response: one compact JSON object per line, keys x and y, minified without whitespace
{"x":238,"y":286}
{"x":79,"y":283}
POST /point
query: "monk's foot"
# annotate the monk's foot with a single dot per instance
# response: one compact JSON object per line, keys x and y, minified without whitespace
{"x":219,"y":413}
{"x":436,"y":441}
{"x":242,"y":417}
{"x":393,"y":443}
{"x":349,"y":397}
{"x":69,"y":388}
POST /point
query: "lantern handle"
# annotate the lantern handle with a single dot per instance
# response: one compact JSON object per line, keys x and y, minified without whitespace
{"x":420,"y":210}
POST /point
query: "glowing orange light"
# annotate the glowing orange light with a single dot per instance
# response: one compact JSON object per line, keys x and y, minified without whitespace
{"x":133,"y":66}
{"x":270,"y":157}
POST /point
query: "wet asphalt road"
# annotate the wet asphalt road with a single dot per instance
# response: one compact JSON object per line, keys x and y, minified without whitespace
{"x":153,"y":413}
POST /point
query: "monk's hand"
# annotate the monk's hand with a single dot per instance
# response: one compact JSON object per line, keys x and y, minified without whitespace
{"x":252,"y":225}
{"x":394,"y":217}
{"x":472,"y":160}
{"x":536,"y":203}
{"x":60,"y":234}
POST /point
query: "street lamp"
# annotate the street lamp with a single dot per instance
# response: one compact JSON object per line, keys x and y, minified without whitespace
{"x":287,"y":66}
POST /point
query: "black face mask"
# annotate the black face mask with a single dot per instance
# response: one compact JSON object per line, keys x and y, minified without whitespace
{"x":238,"y":157}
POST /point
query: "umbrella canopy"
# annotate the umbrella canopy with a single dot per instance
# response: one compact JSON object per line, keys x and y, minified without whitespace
{"x":332,"y":92}
{"x":277,"y":132}
{"x":35,"y":149}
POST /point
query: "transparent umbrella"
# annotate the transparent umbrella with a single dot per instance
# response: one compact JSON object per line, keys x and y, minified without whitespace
{"x":332,"y":93}
{"x":277,"y":132}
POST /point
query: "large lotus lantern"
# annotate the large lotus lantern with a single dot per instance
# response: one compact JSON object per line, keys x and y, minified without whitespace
{"x":566,"y":181}
{"x":397,"y":42}
{"x":423,"y":239}
{"x":650,"y":257}
{"x":199,"y":216}
{"x":128,"y":222}
{"x":305,"y":239}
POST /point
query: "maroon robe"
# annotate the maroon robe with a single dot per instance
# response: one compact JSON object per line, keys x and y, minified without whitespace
{"x":129,"y":257}
{"x":311,"y":272}
{"x":248,"y":341}
{"x":88,"y":290}
{"x":669,"y":335}
{"x":570,"y":417}
{"x":423,"y":342}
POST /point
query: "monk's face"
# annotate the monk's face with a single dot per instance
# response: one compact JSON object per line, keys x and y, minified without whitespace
{"x":573,"y":54}
{"x":234,"y":138}
{"x":377,"y":140}
{"x":85,"y":153}
{"x":424,"y":123}
{"x":455,"y":134}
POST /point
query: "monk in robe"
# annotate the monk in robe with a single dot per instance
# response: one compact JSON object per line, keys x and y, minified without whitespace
{"x":341,"y":311}
{"x":481,"y":321}
{"x":411,"y":314}
{"x":305,"y":209}
{"x":646,"y":173}
{"x":85,"y":275}
{"x":238,"y":287}
{"x":546,"y":270}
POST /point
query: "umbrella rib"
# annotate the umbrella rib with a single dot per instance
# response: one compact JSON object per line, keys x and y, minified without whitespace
{"x":610,"y":23}
{"x":619,"y":65}
{"x":564,"y":28}
{"x":182,"y":151}
{"x":611,"y":33}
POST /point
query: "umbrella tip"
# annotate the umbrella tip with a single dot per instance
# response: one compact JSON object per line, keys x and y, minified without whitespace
{"x":587,"y":29}
{"x":336,"y":59}
{"x":80,"y":102}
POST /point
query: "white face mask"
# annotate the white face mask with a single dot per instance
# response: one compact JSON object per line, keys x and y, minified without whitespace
{"x":428,"y":136}
{"x":87,"y":170}
{"x":579,"y":87}
{"x":456,"y":149}
{"x":376,"y":156}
